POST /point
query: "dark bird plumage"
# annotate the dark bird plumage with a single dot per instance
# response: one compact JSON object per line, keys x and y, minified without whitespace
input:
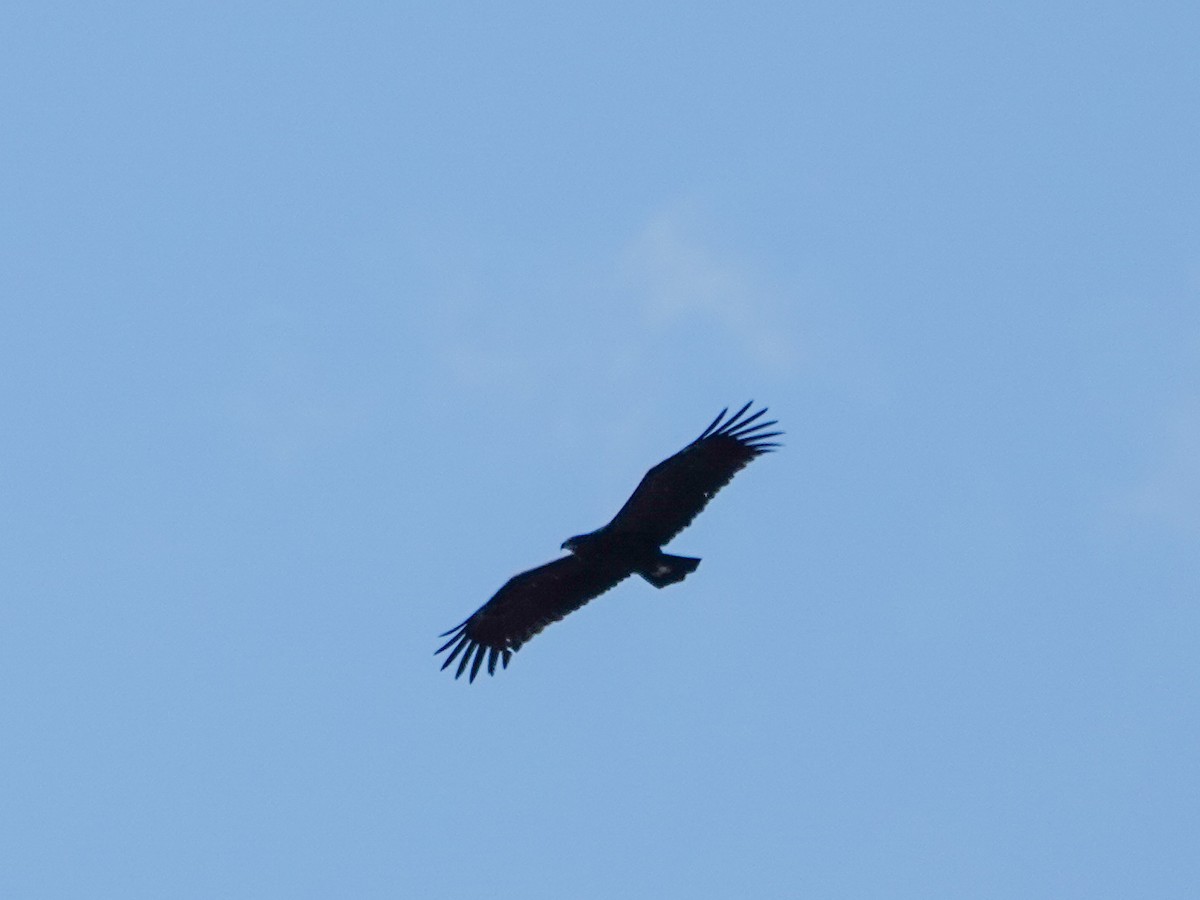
{"x":664,"y":503}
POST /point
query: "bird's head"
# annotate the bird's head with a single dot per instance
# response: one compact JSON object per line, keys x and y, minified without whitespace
{"x":572,"y":542}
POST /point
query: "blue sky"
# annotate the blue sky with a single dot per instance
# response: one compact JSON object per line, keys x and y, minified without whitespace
{"x":320,"y":322}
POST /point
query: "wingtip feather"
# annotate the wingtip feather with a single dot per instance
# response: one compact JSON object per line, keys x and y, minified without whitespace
{"x":737,"y":415}
{"x":747,"y":431}
{"x":713,"y":424}
{"x":464,"y":641}
{"x":462,"y":663}
{"x":456,"y":627}
{"x":479,"y":652}
{"x":457,"y":635}
{"x":747,"y":422}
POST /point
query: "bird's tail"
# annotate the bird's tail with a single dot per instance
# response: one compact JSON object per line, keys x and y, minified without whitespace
{"x":667,"y":569}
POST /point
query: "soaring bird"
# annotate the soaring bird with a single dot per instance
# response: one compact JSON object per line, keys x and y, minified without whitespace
{"x":664,"y":503}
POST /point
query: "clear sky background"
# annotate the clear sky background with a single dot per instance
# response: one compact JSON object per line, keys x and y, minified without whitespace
{"x":321,"y":321}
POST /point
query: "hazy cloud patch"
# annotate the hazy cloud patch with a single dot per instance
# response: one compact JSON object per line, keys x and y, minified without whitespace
{"x":287,"y":406}
{"x":682,"y":278}
{"x":1170,"y":490}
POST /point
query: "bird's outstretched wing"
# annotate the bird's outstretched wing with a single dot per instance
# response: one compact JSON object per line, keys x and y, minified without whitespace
{"x":524,"y":606}
{"x":673,"y":492}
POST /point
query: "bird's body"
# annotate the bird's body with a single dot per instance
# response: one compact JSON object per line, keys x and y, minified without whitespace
{"x":664,"y":503}
{"x":635,"y":551}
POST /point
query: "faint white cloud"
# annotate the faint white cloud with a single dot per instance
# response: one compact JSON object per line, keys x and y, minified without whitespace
{"x":467,"y":311}
{"x":683,"y":279}
{"x":476,"y":363}
{"x":286,"y":405}
{"x":1170,"y":491}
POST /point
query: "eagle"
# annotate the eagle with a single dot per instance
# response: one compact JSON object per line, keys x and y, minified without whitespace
{"x":669,"y":496}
